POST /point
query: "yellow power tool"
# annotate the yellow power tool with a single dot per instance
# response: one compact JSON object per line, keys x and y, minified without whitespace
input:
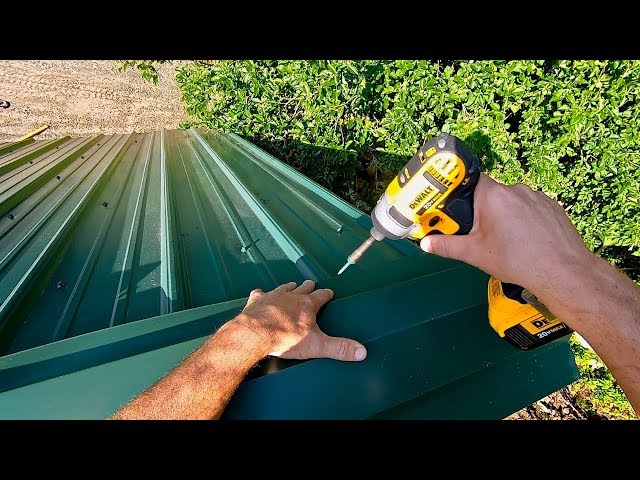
{"x":519,"y":317}
{"x":433,"y":193}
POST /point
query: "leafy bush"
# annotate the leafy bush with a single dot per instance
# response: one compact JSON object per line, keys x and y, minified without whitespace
{"x":146,"y":68}
{"x":596,"y":393}
{"x":570,"y":128}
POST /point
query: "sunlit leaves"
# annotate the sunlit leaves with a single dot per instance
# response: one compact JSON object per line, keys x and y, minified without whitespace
{"x":570,"y":128}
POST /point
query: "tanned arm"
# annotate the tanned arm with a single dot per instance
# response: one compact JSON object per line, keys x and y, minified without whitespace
{"x":524,"y":237}
{"x":281,"y":322}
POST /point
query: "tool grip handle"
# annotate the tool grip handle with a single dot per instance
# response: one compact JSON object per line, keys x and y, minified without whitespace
{"x":460,"y":209}
{"x":459,"y":204}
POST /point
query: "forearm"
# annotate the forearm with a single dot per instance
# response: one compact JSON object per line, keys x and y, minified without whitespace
{"x":524,"y":237}
{"x":202,"y":385}
{"x":603,"y":305}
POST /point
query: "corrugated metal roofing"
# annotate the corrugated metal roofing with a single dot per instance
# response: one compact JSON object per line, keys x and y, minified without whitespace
{"x":120,"y":254}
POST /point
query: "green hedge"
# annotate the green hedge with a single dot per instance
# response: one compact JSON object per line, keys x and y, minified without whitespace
{"x":570,"y":128}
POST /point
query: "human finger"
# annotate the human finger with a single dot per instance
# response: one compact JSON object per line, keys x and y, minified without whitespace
{"x":305,"y":287}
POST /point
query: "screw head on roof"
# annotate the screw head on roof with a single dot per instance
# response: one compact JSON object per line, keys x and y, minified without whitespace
{"x":11,"y":216}
{"x":105,"y":204}
{"x":60,"y":285}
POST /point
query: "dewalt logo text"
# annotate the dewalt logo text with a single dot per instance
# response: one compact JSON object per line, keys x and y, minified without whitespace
{"x":421,"y":196}
{"x":542,"y":322}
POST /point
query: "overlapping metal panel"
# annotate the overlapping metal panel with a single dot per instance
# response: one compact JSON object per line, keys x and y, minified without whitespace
{"x":120,"y":254}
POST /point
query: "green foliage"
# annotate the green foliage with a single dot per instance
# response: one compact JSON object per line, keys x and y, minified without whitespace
{"x":145,"y":67}
{"x":596,"y":393}
{"x":570,"y":128}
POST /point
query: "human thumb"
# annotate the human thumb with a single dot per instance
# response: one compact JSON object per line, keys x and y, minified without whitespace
{"x":448,"y":246}
{"x":343,"y":349}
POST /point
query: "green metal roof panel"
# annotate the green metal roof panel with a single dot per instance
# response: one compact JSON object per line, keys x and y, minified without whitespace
{"x":120,"y":254}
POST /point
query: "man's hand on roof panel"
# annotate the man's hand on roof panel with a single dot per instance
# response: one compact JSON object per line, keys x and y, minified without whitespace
{"x":281,"y":322}
{"x":285,"y":318}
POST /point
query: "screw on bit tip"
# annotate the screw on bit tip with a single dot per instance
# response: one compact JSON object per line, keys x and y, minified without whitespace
{"x":357,"y":253}
{"x":346,"y":265}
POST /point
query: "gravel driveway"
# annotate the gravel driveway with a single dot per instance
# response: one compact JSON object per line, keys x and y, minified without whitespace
{"x":85,"y":97}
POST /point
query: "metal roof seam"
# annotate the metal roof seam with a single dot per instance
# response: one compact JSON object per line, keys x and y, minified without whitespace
{"x":294,"y":175}
{"x":65,"y":319}
{"x":276,"y":174}
{"x":31,"y":152}
{"x":167,"y":257}
{"x":12,"y":147}
{"x":248,"y":245}
{"x":24,"y":214}
{"x":308,"y":267}
{"x":121,"y":296}
{"x":28,"y":181}
{"x":45,"y":252}
{"x":219,"y":271}
{"x":8,"y":180}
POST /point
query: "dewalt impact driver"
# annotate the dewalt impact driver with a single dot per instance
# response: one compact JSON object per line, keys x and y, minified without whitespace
{"x":433,"y":193}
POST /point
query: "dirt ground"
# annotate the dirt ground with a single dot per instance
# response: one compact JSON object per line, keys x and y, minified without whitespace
{"x":557,"y":406}
{"x":81,"y":98}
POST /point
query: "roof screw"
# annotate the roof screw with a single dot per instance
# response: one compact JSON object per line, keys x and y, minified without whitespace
{"x":60,"y":285}
{"x":11,"y":216}
{"x":245,"y":248}
{"x":105,"y":204}
{"x":58,"y":177}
